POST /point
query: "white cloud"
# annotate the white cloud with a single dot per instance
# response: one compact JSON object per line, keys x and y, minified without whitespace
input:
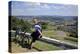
{"x":32,"y":3}
{"x":38,"y":3}
{"x":45,"y":6}
{"x":58,"y":7}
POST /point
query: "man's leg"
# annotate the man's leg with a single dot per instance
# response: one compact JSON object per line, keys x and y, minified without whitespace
{"x":32,"y":43}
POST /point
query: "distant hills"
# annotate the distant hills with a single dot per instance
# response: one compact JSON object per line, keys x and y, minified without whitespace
{"x":49,"y":18}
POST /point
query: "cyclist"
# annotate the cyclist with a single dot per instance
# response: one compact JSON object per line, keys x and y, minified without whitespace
{"x":37,"y":32}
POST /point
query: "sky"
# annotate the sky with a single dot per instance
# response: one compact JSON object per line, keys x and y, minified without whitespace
{"x":35,"y":8}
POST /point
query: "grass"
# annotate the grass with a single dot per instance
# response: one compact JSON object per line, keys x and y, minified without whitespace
{"x":55,"y":35}
{"x":48,"y":33}
{"x":71,"y":40}
{"x":46,"y":47}
{"x":52,"y":34}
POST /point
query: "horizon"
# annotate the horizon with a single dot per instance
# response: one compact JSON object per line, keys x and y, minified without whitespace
{"x":44,"y":15}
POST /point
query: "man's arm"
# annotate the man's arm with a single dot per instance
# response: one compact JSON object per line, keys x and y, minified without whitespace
{"x":40,"y":33}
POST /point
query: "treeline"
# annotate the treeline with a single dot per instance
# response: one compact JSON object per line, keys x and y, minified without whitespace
{"x":20,"y":23}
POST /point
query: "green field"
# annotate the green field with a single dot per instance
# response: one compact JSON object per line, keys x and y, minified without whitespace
{"x":46,"y":47}
{"x":59,"y":35}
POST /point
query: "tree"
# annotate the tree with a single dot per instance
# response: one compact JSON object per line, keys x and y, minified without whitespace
{"x":24,"y":25}
{"x":44,"y":25}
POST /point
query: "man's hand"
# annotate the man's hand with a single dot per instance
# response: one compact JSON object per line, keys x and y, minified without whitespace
{"x":40,"y":36}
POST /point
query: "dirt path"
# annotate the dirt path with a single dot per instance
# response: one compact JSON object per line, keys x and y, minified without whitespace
{"x":18,"y":49}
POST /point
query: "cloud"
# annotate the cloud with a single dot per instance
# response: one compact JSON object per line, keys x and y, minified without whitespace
{"x":32,"y":3}
{"x":58,"y":7}
{"x":46,"y":6}
{"x":38,"y":3}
